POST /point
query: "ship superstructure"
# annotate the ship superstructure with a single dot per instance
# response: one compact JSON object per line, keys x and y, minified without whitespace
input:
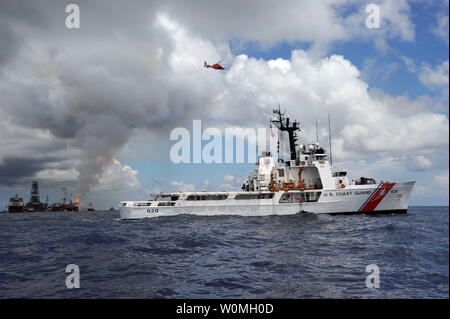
{"x":66,"y":205}
{"x":303,"y":183}
{"x":35,"y":204}
{"x":16,"y":205}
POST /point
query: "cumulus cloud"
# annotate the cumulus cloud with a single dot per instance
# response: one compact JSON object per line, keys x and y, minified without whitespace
{"x":118,"y":177}
{"x":363,"y":121}
{"x":396,"y":14}
{"x":435,"y":78}
{"x":319,"y":23}
{"x":92,"y":101}
{"x":440,"y":28}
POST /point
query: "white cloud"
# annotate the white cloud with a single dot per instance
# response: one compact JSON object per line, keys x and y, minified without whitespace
{"x":442,"y":179}
{"x":180,"y":186}
{"x":229,"y":178}
{"x":442,"y":26}
{"x":409,"y":63}
{"x":321,"y":23}
{"x":395,"y":22}
{"x":118,"y":177}
{"x":363,"y":122}
{"x":420,"y":163}
{"x":437,"y":77}
{"x":264,"y":22}
{"x":397,"y":14}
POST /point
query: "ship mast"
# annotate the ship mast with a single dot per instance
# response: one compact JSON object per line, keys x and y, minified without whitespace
{"x":283,"y":124}
{"x":329,"y":138}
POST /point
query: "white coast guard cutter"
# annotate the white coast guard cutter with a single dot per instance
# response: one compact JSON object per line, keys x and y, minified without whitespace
{"x":305,"y":183}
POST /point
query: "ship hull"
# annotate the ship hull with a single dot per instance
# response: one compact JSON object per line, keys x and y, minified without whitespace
{"x":385,"y":197}
{"x":16,"y":209}
{"x":381,"y":198}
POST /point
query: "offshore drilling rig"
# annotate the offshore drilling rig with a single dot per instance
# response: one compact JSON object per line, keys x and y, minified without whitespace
{"x":35,"y":204}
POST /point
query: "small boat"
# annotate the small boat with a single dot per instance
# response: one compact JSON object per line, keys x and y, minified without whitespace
{"x":16,"y":205}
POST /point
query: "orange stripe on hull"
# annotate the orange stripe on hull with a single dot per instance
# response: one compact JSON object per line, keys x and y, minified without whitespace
{"x":376,"y":199}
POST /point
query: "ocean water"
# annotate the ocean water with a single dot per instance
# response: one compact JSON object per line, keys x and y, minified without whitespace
{"x":299,"y":256}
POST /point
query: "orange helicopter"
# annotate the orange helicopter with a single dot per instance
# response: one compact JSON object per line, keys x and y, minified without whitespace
{"x":216,"y":66}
